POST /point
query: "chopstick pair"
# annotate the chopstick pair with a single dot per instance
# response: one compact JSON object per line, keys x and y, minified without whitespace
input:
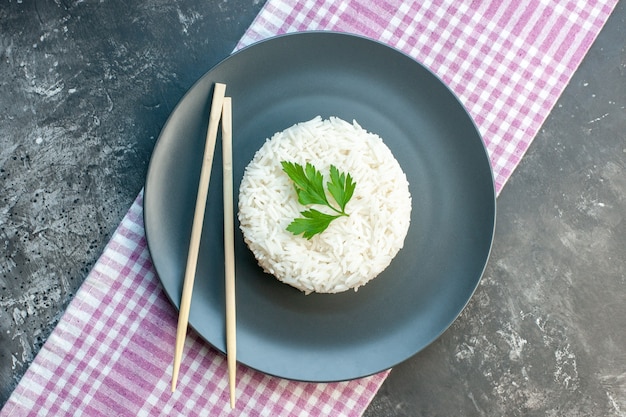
{"x":221,"y":108}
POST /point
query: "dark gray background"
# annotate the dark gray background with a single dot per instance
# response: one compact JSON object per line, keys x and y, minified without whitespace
{"x":84,"y":90}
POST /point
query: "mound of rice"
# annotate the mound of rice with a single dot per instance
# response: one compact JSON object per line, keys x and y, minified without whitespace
{"x":353,"y":250}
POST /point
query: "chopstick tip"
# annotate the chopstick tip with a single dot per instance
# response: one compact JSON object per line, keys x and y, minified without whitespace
{"x":220,"y":88}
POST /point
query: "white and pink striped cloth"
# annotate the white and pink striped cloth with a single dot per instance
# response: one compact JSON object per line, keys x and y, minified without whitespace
{"x":111,"y":352}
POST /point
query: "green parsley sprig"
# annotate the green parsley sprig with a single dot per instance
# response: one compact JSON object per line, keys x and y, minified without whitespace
{"x":309,"y":185}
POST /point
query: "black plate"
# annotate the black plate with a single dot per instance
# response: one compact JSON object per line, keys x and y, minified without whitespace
{"x":318,"y":337}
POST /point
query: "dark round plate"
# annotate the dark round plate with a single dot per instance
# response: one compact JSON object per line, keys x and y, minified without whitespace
{"x":322,"y":337}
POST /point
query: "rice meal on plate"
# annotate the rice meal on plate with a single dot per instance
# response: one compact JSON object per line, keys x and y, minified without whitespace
{"x":350,"y":240}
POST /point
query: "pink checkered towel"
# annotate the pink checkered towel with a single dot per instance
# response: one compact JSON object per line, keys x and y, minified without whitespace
{"x":111,"y":352}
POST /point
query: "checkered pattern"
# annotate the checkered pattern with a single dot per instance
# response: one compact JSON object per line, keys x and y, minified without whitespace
{"x":111,"y":352}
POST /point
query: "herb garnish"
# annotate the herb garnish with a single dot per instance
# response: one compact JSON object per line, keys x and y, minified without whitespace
{"x":309,"y":185}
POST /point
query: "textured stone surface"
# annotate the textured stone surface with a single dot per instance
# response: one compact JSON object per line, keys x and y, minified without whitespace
{"x":84,"y":90}
{"x":545,"y":333}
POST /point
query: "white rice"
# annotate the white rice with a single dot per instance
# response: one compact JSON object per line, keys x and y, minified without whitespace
{"x":352,"y":250}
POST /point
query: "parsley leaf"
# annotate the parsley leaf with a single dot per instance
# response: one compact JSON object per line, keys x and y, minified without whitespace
{"x":312,"y":223}
{"x":309,"y":185}
{"x":341,"y":187}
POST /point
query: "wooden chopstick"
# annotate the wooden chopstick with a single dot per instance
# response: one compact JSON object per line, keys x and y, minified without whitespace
{"x":196,"y":230}
{"x":229,"y":247}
